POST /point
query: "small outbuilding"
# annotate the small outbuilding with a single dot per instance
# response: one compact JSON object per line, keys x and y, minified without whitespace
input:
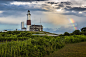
{"x":4,"y":30}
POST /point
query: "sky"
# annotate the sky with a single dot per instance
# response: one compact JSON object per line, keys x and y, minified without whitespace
{"x":57,"y":16}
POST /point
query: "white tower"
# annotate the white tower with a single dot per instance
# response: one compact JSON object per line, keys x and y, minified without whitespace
{"x":22,"y":25}
{"x":28,"y":21}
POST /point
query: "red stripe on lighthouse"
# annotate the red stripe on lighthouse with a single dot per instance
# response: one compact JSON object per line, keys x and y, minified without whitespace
{"x":28,"y":22}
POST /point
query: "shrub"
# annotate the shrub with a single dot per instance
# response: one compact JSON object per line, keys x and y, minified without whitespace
{"x":66,"y":34}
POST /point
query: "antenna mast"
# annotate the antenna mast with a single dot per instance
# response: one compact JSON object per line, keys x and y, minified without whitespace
{"x":40,"y":24}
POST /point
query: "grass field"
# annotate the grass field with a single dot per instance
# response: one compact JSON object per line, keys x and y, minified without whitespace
{"x":24,"y":44}
{"x":70,"y":50}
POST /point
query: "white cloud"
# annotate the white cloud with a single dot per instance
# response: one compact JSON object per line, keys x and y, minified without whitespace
{"x":20,"y":3}
{"x":80,"y":12}
{"x":60,"y":10}
{"x":27,"y":3}
{"x":73,"y":11}
{"x":1,"y":12}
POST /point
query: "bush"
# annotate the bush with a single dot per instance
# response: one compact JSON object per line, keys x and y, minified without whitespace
{"x":66,"y":34}
{"x":76,"y":32}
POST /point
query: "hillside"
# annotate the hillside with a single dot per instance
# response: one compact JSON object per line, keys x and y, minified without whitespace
{"x":71,"y":50}
{"x":25,"y":44}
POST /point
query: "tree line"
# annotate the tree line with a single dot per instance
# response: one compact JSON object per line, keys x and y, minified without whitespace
{"x":76,"y":32}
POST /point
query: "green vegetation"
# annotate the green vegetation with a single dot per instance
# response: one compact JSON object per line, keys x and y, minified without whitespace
{"x":30,"y":46}
{"x":76,"y":32}
{"x":71,"y":50}
{"x":24,"y":44}
{"x":66,"y":34}
{"x":14,"y":35}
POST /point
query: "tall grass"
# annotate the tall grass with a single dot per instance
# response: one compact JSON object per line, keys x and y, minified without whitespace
{"x":33,"y":46}
{"x":30,"y":48}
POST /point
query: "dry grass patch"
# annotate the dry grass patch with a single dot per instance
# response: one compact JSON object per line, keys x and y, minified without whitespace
{"x":71,"y":50}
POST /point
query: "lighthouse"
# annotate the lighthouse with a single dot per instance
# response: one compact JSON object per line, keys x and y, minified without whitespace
{"x":28,"y":20}
{"x":29,"y":26}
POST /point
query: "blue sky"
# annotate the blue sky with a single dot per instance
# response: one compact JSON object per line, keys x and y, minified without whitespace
{"x":54,"y":14}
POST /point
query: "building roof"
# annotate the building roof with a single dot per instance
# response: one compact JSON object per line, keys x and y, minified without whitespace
{"x":36,"y":25}
{"x":5,"y":30}
{"x":24,"y":28}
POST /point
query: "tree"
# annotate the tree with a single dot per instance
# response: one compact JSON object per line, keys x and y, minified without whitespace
{"x":76,"y":32}
{"x":66,"y":34}
{"x":83,"y":29}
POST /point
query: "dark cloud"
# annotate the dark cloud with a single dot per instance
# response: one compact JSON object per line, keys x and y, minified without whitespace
{"x":51,"y":2}
{"x":8,"y":6}
{"x":24,"y":0}
{"x":76,"y":14}
{"x":66,"y":3}
{"x":17,"y":10}
{"x":68,"y":6}
{"x":61,"y":3}
{"x":76,"y":8}
{"x":30,"y":0}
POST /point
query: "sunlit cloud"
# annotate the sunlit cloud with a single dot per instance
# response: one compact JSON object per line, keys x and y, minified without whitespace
{"x":80,"y":12}
{"x":26,"y":3}
{"x":1,"y":12}
{"x":56,"y":12}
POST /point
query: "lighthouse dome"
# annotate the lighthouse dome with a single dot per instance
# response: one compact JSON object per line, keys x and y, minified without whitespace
{"x":28,"y":11}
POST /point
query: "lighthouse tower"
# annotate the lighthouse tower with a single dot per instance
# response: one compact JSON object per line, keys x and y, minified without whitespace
{"x":28,"y":20}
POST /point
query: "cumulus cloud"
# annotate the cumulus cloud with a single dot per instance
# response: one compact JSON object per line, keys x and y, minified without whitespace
{"x":52,"y":11}
{"x":56,"y":10}
{"x":26,"y":5}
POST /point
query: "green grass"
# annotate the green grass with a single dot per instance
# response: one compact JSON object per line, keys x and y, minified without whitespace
{"x":70,"y":50}
{"x":33,"y":47}
{"x":24,"y":44}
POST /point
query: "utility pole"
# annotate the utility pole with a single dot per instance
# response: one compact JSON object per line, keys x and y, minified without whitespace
{"x":40,"y":24}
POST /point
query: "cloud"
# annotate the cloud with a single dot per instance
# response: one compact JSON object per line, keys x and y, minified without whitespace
{"x":24,"y":0}
{"x":1,"y":12}
{"x":21,"y":6}
{"x":56,"y":13}
{"x":60,"y":30}
{"x":70,"y":5}
{"x":57,"y":19}
{"x":75,"y":13}
{"x":76,"y":9}
{"x":27,"y":3}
